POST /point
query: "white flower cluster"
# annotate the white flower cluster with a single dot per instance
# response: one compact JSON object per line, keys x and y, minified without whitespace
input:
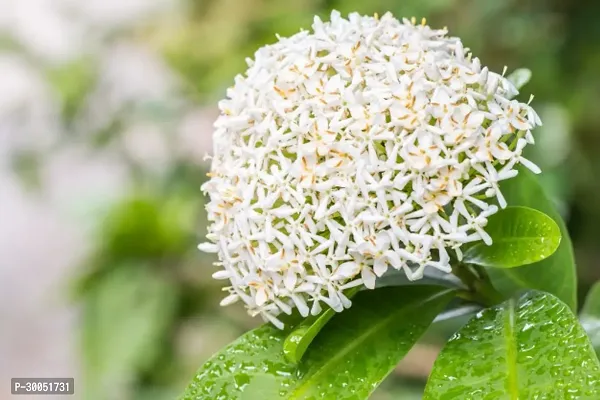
{"x":367,"y":144}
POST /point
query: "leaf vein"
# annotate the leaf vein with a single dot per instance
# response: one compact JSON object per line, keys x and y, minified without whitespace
{"x":511,"y":351}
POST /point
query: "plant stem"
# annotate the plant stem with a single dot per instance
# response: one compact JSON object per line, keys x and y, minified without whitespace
{"x":479,"y":286}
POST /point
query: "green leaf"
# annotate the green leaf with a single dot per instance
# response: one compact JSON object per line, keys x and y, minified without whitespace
{"x":521,"y":236}
{"x":353,"y":353}
{"x":431,"y":276}
{"x":530,"y":348}
{"x":555,"y":274}
{"x":590,"y":316}
{"x":127,"y":316}
{"x":591,"y":306}
{"x":297,"y":342}
{"x":520,"y":77}
{"x":454,"y":317}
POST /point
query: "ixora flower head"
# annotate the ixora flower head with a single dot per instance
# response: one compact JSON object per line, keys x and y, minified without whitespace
{"x":364,"y":145}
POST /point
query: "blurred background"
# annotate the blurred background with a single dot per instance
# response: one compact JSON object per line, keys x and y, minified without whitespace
{"x":106,"y":109}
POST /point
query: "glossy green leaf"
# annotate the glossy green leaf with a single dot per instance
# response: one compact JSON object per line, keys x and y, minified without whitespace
{"x":454,"y":317}
{"x":530,"y":348}
{"x":297,"y":342}
{"x":520,"y":77}
{"x":555,"y":274}
{"x":353,"y":353}
{"x":521,"y":236}
{"x":590,"y":316}
{"x":591,"y":306}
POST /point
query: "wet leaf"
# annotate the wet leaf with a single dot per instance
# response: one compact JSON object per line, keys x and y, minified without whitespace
{"x":454,"y":317}
{"x":521,"y":236}
{"x":353,"y":353}
{"x":590,"y":316}
{"x":297,"y":342}
{"x":530,"y":348}
{"x":555,"y":274}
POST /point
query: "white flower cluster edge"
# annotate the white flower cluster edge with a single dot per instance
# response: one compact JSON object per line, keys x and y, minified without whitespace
{"x":367,"y":144}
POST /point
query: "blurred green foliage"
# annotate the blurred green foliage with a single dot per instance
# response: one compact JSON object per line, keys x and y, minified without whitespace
{"x":146,"y":291}
{"x":72,"y":82}
{"x":128,"y":316}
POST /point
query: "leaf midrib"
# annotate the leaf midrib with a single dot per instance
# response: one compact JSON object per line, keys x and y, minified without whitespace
{"x":521,"y":238}
{"x":301,"y":389}
{"x":511,"y":351}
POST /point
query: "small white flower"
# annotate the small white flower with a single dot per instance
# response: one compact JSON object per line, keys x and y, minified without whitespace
{"x":364,"y":145}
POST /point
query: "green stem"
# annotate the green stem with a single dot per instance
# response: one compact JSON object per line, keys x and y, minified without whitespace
{"x":479,"y":286}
